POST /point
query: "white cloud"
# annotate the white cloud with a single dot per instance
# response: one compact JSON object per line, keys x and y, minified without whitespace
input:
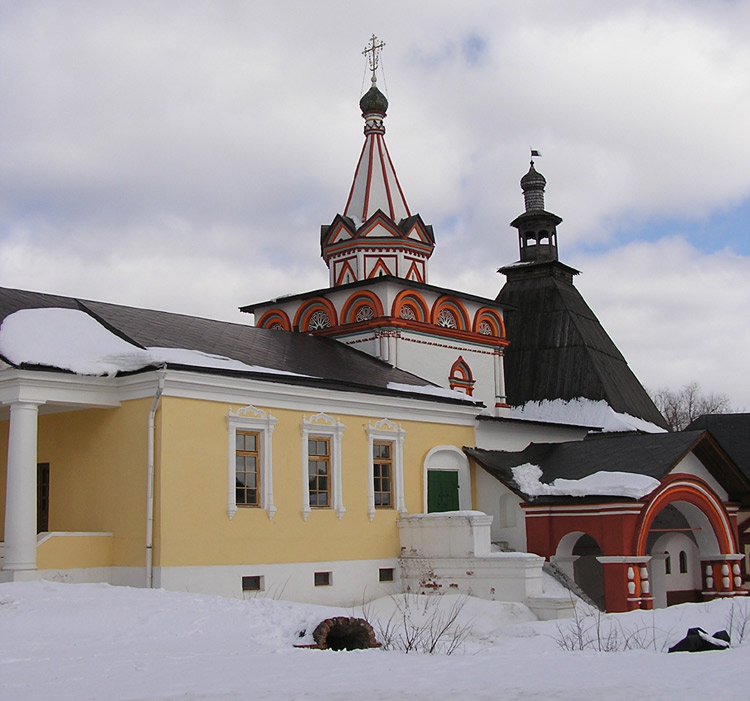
{"x":183,"y":155}
{"x":676,"y":314}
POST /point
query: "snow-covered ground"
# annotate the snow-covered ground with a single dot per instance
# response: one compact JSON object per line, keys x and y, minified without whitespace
{"x":94,"y":641}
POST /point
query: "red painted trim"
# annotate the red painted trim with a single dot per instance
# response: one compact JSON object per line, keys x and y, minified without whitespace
{"x":273,"y":316}
{"x":366,"y":203}
{"x":343,"y":270}
{"x":356,"y":173}
{"x":395,"y":177}
{"x":379,"y":218}
{"x":349,"y":310}
{"x":454,"y":305}
{"x":380,"y":265}
{"x":694,"y":491}
{"x":440,"y":334}
{"x":461,"y":376}
{"x":416,"y":248}
{"x":418,"y":303}
{"x":492,"y":318}
{"x":417,"y":273}
{"x":385,"y":177}
{"x":302,"y":317}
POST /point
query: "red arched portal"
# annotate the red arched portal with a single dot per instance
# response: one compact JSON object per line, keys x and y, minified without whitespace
{"x":686,"y":490}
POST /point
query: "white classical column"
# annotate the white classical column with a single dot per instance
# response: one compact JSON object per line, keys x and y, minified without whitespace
{"x":500,"y":398}
{"x":20,"y":499}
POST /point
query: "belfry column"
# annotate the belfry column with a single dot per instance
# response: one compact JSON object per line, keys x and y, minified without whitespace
{"x":20,"y":499}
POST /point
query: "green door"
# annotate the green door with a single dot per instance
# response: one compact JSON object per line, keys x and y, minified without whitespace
{"x":442,"y":490}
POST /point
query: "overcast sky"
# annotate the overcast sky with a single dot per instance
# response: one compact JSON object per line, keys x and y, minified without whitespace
{"x":182,"y":155}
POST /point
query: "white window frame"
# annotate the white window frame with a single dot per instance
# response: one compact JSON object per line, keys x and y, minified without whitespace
{"x":326,"y":426}
{"x":386,"y":431}
{"x":250,"y":418}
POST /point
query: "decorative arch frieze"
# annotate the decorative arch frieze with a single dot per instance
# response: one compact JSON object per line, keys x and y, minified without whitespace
{"x":361,"y":306}
{"x":410,"y":306}
{"x":449,"y":312}
{"x":275,"y":319}
{"x":315,"y":314}
{"x":488,"y":322}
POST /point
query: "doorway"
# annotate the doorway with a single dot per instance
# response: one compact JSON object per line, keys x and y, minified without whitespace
{"x":442,"y":490}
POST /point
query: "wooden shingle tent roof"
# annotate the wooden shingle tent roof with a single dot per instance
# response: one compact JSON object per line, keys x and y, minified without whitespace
{"x":558,"y":348}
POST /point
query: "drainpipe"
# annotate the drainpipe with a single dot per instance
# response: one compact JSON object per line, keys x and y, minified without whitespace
{"x":150,"y":480}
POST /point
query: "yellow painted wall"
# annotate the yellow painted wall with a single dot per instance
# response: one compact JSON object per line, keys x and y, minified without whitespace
{"x":97,"y":463}
{"x":193,"y":525}
{"x":73,"y":551}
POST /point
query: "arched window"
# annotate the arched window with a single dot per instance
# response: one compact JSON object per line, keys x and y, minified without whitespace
{"x":461,"y":378}
{"x":683,"y":562}
{"x":447,"y":319}
{"x":361,"y":306}
{"x":450,"y":313}
{"x":410,"y":306}
{"x":316,"y":314}
{"x":668,"y":564}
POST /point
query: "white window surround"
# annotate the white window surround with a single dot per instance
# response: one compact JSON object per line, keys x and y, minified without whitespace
{"x":386,"y":431}
{"x":323,"y":425}
{"x":252,"y":419}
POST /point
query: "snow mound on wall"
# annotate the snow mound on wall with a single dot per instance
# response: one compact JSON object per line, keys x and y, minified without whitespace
{"x":583,"y":412}
{"x":429,"y":389}
{"x":614,"y":484}
{"x":70,"y":339}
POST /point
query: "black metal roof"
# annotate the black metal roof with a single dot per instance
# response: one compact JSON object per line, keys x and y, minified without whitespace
{"x":651,"y":454}
{"x":559,"y":349}
{"x":326,"y":362}
{"x":732,"y":431}
{"x":379,"y":280}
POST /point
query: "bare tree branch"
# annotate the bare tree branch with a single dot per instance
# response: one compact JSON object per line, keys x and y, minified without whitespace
{"x":686,"y":404}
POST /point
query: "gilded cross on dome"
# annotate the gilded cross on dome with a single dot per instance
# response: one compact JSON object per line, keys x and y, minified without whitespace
{"x":372,"y":51}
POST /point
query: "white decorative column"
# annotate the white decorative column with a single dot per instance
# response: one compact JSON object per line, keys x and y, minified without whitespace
{"x":20,"y":499}
{"x":500,"y":398}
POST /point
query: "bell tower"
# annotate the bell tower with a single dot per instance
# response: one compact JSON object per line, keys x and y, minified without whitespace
{"x":379,"y":298}
{"x":377,"y":234}
{"x":537,"y":228}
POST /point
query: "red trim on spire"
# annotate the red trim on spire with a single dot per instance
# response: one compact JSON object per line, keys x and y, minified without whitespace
{"x":356,"y":173}
{"x":395,"y":177}
{"x":391,"y":210}
{"x":368,"y":184}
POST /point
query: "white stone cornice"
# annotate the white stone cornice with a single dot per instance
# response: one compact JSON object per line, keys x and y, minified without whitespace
{"x":279,"y":395}
{"x":57,"y":388}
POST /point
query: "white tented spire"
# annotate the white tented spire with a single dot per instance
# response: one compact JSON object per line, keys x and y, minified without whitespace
{"x":375,"y":183}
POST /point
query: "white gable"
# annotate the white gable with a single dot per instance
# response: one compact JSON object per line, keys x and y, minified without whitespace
{"x":341,"y":235}
{"x":379,"y":230}
{"x":691,"y":465}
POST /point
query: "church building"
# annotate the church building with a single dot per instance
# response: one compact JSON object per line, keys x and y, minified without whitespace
{"x":379,"y":434}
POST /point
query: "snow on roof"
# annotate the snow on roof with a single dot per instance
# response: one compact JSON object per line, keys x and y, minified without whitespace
{"x":429,"y":389}
{"x":69,"y":339}
{"x":602,"y":483}
{"x":583,"y":412}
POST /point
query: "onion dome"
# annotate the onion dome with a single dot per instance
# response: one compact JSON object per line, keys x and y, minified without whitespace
{"x":373,"y":101}
{"x":533,"y":184}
